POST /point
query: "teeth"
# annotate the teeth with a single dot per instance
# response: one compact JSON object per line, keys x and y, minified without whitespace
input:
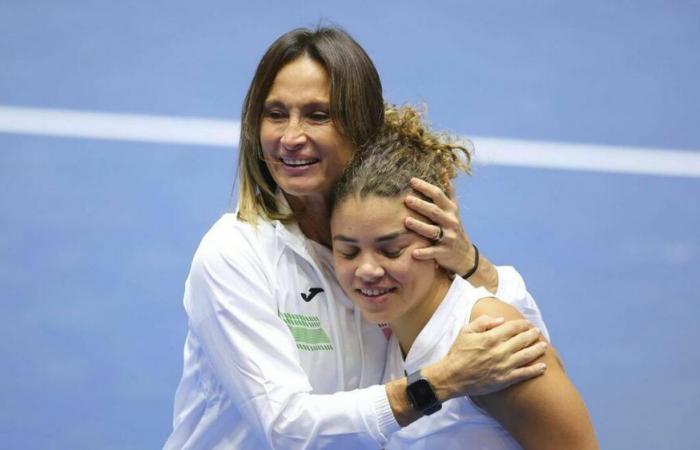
{"x":374,"y":292}
{"x":297,"y":162}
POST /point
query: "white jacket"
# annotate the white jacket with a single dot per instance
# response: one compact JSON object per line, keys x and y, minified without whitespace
{"x":276,"y":355}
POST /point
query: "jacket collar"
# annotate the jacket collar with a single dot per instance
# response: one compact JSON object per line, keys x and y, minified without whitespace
{"x":289,"y":234}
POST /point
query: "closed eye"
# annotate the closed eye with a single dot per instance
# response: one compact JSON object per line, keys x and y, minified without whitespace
{"x":347,"y":254}
{"x":319,"y":116}
{"x":275,"y":114}
{"x":391,"y":253}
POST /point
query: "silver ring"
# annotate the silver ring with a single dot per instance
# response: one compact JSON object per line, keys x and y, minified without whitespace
{"x":440,"y":236}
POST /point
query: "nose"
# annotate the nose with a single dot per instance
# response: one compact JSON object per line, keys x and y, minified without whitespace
{"x":294,"y":136}
{"x":369,"y":270}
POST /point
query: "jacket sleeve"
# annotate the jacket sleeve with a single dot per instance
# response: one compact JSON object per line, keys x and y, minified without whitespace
{"x":254,"y":357}
{"x":512,"y":290}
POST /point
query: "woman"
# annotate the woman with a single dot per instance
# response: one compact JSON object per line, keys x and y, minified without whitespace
{"x":276,"y":355}
{"x":425,"y":306}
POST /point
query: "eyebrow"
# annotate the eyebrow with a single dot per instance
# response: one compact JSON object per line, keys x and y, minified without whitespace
{"x":384,"y":238}
{"x":313,"y":104}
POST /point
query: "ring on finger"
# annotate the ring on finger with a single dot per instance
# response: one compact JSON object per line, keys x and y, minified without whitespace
{"x":440,"y":236}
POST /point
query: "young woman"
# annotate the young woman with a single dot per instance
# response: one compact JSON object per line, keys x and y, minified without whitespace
{"x":426,"y":306}
{"x":276,"y":355}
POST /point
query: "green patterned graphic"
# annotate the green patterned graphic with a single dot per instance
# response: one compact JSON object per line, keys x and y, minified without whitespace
{"x":307,"y":332}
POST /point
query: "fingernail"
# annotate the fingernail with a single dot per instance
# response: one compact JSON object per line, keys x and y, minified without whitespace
{"x":541,"y":367}
{"x":543,"y":345}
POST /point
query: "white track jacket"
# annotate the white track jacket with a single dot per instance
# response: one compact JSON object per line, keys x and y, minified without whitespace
{"x":276,"y":355}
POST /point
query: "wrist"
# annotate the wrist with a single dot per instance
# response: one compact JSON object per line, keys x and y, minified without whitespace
{"x":421,"y":393}
{"x":473,"y":262}
{"x":438,"y":374}
{"x":486,"y":276}
{"x":400,"y":404}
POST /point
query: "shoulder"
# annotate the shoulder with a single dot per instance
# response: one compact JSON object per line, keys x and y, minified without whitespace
{"x":463,"y":297}
{"x":231,"y":238}
{"x":510,"y":282}
{"x":232,"y":245}
{"x":230,"y":267}
{"x":513,"y":290}
{"x":494,"y":307}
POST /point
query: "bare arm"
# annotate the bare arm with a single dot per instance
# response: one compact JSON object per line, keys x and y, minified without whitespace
{"x":485,"y":357}
{"x":543,"y":413}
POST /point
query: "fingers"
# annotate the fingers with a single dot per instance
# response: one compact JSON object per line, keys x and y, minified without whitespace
{"x":440,"y":215}
{"x":523,"y":340}
{"x":432,"y":192}
{"x":484,"y":323}
{"x":424,"y":229}
{"x":524,"y":373}
{"x":513,"y":328}
{"x":425,"y":253}
{"x":529,"y":354}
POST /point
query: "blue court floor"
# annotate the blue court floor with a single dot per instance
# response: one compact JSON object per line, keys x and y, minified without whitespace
{"x":97,"y":235}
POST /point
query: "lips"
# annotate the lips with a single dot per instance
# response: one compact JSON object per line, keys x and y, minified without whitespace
{"x":375,"y":292}
{"x":375,"y":296}
{"x":298,"y":162}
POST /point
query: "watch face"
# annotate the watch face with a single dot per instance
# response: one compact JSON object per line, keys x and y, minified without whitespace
{"x":422,"y":394}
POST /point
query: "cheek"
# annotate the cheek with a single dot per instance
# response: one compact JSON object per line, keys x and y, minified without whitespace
{"x":344,"y":272}
{"x":267,"y":137}
{"x":340,"y":151}
{"x":412,"y":271}
{"x":405,"y":268}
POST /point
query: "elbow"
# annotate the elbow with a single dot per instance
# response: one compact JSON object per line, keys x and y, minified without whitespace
{"x":307,"y":421}
{"x":293,"y":424}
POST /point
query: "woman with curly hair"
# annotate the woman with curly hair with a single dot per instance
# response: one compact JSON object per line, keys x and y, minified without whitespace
{"x":426,"y":306}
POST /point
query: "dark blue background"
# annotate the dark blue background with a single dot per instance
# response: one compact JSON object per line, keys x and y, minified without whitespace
{"x":97,"y":236}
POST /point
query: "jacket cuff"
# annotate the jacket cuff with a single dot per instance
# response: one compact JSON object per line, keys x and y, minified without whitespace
{"x":386,"y":423}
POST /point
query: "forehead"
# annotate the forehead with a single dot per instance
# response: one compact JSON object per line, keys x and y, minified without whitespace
{"x":368,"y":216}
{"x":302,"y":78}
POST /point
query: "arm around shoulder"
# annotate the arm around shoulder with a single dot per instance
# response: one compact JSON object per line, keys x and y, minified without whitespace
{"x":253,"y":357}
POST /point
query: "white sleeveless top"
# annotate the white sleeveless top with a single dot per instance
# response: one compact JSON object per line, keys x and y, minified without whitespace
{"x":460,"y":423}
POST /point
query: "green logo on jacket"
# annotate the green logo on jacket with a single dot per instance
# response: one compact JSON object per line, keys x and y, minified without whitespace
{"x":307,"y":332}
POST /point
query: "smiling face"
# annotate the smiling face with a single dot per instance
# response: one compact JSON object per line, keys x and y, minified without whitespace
{"x":304,"y":151}
{"x":373,"y":262}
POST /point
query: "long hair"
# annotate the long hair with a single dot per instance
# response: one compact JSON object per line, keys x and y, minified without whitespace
{"x":356,"y":107}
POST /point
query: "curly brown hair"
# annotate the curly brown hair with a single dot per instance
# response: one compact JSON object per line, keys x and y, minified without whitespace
{"x":404,"y":148}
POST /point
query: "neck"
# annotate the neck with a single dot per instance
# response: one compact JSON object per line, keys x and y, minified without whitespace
{"x":408,"y":326}
{"x":313,"y":217}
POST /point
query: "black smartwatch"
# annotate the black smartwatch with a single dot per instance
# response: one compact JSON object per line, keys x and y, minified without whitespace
{"x":421,"y":394}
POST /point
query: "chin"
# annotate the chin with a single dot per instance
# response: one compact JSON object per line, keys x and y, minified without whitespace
{"x":376,"y":316}
{"x":301,"y":189}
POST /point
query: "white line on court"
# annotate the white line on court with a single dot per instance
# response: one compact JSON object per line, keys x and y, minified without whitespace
{"x":596,"y":158}
{"x":120,"y":127}
{"x":224,"y":133}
